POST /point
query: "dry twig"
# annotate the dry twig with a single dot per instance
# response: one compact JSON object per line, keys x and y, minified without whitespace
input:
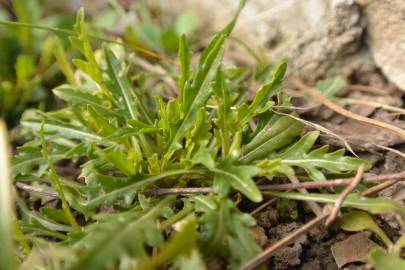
{"x":40,"y":191}
{"x":265,"y":255}
{"x":274,"y":187}
{"x":377,"y":188}
{"x":366,"y":88}
{"x":356,"y":180}
{"x":261,"y":207}
{"x":372,"y":104}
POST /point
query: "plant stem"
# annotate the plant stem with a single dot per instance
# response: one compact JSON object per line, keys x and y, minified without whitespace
{"x":326,"y":102}
{"x":176,"y":217}
{"x":56,"y":183}
{"x":265,"y":255}
{"x":274,"y":187}
{"x":353,"y":184}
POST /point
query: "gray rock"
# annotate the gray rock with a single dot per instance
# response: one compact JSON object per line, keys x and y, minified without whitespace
{"x":319,"y":38}
{"x":386,"y":37}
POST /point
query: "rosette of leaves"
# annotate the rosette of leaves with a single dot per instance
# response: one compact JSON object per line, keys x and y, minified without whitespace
{"x":129,"y":141}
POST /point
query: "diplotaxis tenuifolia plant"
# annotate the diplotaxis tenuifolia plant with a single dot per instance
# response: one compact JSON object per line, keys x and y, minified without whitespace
{"x":131,"y":143}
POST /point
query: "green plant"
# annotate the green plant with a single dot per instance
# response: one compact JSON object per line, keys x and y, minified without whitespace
{"x":129,"y":143}
{"x":26,"y":59}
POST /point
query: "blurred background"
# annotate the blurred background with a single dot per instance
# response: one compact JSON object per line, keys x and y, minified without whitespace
{"x":357,"y":44}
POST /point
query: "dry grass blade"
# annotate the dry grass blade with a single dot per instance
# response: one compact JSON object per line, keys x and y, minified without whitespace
{"x":37,"y":190}
{"x":336,"y":208}
{"x":372,"y":104}
{"x":366,"y":88}
{"x":320,"y":98}
{"x":263,"y":206}
{"x":395,"y":151}
{"x":322,"y":129}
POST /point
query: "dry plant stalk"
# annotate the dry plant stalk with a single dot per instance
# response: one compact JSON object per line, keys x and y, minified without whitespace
{"x":356,"y":180}
{"x":265,"y":255}
{"x":320,"y":98}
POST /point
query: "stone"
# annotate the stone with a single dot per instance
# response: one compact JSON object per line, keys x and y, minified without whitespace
{"x":386,"y":37}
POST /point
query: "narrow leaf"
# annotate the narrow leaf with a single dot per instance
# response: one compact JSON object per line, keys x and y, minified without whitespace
{"x":6,"y":204}
{"x":372,"y":205}
{"x":280,"y":134}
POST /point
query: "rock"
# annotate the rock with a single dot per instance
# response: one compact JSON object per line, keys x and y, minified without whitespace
{"x":386,"y":37}
{"x":319,"y":38}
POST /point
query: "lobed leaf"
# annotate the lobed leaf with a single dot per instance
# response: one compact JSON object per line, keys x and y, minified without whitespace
{"x":299,"y":154}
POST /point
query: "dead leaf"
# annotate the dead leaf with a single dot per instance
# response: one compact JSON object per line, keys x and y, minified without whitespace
{"x":353,"y":249}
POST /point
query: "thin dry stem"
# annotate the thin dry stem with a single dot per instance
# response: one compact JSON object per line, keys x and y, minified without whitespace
{"x":320,"y":98}
{"x":265,"y":255}
{"x":353,"y":184}
{"x":366,"y":88}
{"x":372,"y":104}
{"x":261,"y":207}
{"x":40,"y":191}
{"x":395,"y":151}
{"x":377,"y":188}
{"x":320,"y":128}
{"x":274,"y":187}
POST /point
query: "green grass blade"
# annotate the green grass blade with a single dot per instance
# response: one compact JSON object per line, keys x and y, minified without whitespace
{"x":6,"y":204}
